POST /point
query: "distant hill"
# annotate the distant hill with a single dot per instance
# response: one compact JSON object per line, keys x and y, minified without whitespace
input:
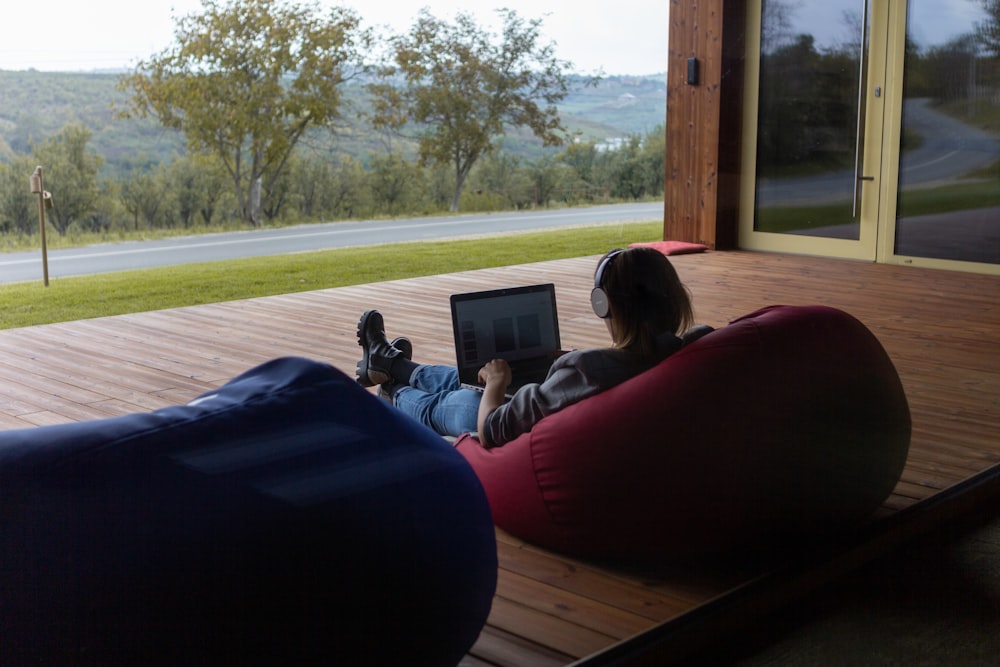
{"x":36,"y":105}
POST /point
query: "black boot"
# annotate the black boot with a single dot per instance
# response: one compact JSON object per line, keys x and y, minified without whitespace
{"x":406,"y":348}
{"x":376,"y":352}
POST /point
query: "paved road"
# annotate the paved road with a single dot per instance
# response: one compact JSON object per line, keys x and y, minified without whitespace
{"x":25,"y":266}
{"x":951,"y":149}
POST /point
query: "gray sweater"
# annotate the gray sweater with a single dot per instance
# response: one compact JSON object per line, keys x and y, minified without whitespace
{"x":573,"y":377}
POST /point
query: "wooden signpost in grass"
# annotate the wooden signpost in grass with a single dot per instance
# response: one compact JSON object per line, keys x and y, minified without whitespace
{"x":44,"y":201}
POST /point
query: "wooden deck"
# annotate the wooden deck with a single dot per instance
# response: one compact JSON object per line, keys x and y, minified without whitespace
{"x":942,"y":330}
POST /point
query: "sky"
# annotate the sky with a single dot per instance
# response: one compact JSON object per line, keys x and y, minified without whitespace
{"x":616,"y":37}
{"x":931,"y":22}
{"x":619,"y":37}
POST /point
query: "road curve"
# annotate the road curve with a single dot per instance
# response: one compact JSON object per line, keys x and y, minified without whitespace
{"x":950,"y":150}
{"x":107,"y":258}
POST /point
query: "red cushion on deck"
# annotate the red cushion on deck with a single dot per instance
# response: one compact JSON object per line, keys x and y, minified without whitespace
{"x":672,"y":247}
{"x":787,"y":421}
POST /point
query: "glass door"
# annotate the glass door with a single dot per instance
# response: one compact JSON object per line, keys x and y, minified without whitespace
{"x":875,"y":131}
{"x":945,"y":208}
{"x":813,"y":136}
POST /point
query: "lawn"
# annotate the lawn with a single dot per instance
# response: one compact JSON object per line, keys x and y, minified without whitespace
{"x":66,"y":299}
{"x":956,"y":197}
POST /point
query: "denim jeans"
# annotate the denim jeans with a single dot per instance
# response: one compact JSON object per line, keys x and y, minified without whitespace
{"x":436,"y":399}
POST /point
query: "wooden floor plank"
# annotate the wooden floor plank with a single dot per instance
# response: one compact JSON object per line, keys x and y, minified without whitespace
{"x":496,"y":647}
{"x":614,"y":591}
{"x":941,"y":329}
{"x":578,"y":609}
{"x":558,"y":634}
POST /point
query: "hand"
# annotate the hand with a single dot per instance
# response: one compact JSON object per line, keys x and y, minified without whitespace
{"x":496,"y":373}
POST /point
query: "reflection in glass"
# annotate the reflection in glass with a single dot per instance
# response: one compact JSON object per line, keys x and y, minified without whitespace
{"x":809,"y":105}
{"x":948,"y":205}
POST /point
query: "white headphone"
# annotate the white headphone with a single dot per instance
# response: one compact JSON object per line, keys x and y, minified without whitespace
{"x":599,"y":296}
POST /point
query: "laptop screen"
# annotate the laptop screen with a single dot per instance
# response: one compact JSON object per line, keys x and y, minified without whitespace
{"x":513,"y":323}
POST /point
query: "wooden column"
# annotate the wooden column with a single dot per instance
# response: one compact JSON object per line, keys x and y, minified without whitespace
{"x":704,"y":116}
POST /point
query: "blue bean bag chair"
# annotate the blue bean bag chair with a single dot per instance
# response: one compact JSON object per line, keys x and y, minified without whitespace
{"x":288,"y":518}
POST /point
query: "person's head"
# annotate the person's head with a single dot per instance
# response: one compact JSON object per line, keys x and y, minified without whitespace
{"x":637,"y":290}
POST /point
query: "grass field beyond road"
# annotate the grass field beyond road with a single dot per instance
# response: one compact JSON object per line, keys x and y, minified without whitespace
{"x":66,"y":299}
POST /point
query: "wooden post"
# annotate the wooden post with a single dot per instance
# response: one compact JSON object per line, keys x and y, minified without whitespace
{"x":704,"y":121}
{"x":36,"y":187}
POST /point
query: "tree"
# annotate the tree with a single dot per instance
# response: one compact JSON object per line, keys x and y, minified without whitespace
{"x":777,"y":25}
{"x":196,"y":184}
{"x":348,"y":196}
{"x":107,"y":210}
{"x":989,"y":29}
{"x":142,"y":193}
{"x":245,"y":80}
{"x":581,"y":157}
{"x":462,"y":85}
{"x":18,"y":206}
{"x":503,"y":181}
{"x":395,"y":183}
{"x":69,"y":171}
{"x":547,"y":175}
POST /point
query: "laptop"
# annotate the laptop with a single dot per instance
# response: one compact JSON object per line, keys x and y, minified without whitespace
{"x":518,"y":324}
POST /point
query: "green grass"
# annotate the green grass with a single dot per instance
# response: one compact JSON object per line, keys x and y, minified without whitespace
{"x":65,"y":299}
{"x":792,"y":218}
{"x":959,"y":197}
{"x":954,"y":197}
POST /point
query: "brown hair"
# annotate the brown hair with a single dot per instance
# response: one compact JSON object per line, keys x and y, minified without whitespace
{"x":646,"y":297}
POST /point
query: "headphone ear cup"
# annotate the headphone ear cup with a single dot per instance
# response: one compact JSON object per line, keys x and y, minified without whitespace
{"x":599,"y":302}
{"x":598,"y":297}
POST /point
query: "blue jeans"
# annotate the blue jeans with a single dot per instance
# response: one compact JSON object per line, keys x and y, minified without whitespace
{"x":436,"y":399}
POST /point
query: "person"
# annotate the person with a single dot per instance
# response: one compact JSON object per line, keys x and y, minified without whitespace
{"x":636,"y":292}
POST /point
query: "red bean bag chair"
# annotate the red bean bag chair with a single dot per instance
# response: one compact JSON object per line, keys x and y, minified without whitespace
{"x":787,"y":422}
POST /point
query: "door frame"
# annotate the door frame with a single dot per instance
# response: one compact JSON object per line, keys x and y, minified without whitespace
{"x":874,"y":231}
{"x":897,"y":25}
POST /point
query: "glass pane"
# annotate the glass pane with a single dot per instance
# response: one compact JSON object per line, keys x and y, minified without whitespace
{"x":808,"y":117}
{"x":948,"y":205}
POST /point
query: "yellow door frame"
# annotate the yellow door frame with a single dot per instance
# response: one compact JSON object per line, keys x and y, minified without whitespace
{"x":866,"y":247}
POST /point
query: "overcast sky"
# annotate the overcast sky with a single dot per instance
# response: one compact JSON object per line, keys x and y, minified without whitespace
{"x":616,"y":36}
{"x":930,"y":22}
{"x":620,"y":37}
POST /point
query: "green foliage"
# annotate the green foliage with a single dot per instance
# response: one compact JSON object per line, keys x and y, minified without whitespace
{"x":71,"y":170}
{"x":636,"y":169}
{"x":989,"y":30}
{"x":143,"y":195}
{"x":27,"y":304}
{"x":39,"y":105}
{"x":245,"y":80}
{"x":191,"y":193}
{"x":615,"y":106}
{"x":259,"y":89}
{"x":18,"y":206}
{"x":462,"y":85}
{"x":500,"y":182}
{"x":195,"y":186}
{"x":808,"y":109}
{"x":396,"y":185}
{"x":947,"y":199}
